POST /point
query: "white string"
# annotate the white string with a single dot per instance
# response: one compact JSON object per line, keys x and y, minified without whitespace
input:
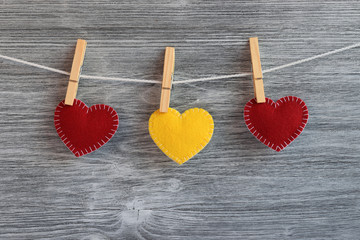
{"x":34,"y":65}
{"x":312,"y":58}
{"x":182,"y":81}
{"x":212,"y":78}
{"x":119,"y":79}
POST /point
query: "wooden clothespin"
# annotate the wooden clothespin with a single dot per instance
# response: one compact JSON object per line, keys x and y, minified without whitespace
{"x":256,"y":70}
{"x":169,"y":64}
{"x":75,"y":72}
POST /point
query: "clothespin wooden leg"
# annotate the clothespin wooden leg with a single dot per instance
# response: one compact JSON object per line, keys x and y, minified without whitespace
{"x":169,"y":64}
{"x":256,"y":70}
{"x":75,"y":72}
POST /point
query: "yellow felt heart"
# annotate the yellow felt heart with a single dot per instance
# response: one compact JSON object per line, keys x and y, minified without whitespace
{"x":181,"y":136}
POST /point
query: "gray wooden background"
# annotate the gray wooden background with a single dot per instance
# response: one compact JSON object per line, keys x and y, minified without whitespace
{"x":236,"y":188}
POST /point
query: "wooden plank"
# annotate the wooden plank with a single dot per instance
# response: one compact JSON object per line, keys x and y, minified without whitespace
{"x":236,"y":188}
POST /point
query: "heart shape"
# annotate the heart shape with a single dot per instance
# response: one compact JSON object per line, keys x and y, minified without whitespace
{"x":181,"y":136}
{"x":276,"y":124}
{"x":84,"y":129}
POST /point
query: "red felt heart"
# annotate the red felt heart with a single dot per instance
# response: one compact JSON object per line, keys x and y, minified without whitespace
{"x":84,"y":129}
{"x":276,"y":124}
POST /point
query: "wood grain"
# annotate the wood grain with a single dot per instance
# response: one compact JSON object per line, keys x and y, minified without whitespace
{"x":236,"y":188}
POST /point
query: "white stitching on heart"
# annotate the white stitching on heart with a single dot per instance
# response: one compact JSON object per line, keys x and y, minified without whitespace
{"x":82,"y":105}
{"x":277,"y":104}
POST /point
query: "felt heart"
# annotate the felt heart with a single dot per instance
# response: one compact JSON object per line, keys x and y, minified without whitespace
{"x":276,"y":124}
{"x":84,"y":129}
{"x":181,"y":136}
